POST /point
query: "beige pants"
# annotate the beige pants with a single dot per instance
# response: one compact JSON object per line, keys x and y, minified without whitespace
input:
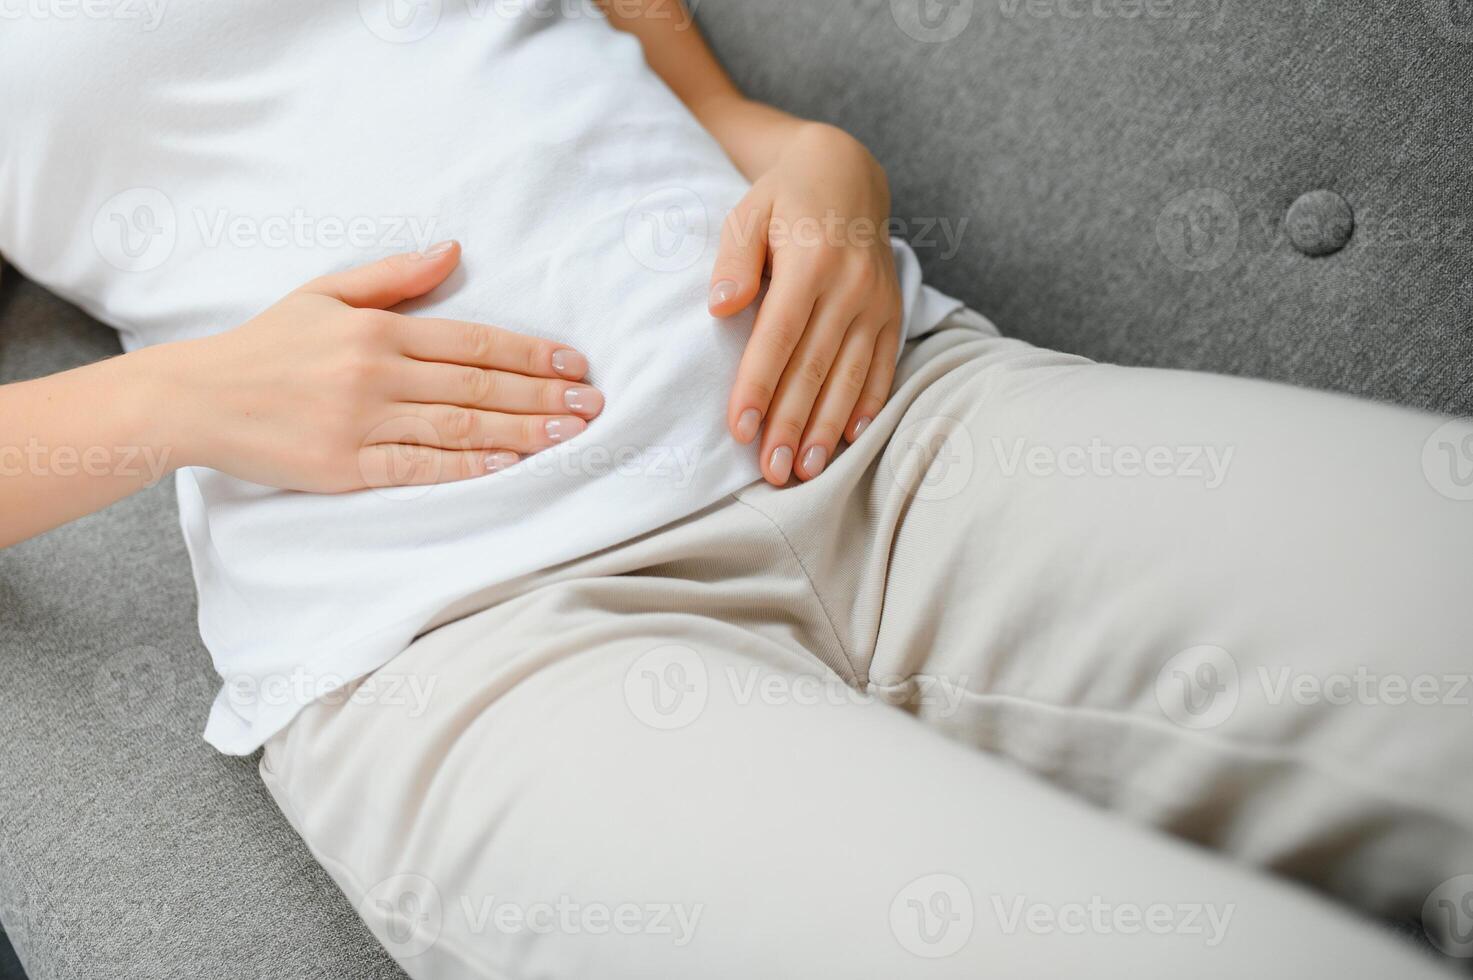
{"x":964,"y":706}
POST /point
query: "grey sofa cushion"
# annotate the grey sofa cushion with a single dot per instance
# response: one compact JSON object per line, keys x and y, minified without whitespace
{"x":128,"y":847}
{"x":1099,"y":164}
{"x":1083,"y":151}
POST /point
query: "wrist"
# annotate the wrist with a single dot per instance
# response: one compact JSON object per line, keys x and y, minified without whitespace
{"x":842,"y":155}
{"x":837,"y":147}
{"x":156,"y":406}
{"x":753,"y":134}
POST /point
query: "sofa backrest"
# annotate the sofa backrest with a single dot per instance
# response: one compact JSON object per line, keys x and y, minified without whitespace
{"x":1116,"y":177}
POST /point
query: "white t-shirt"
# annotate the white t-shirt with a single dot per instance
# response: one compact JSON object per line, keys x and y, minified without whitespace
{"x":174,"y":169}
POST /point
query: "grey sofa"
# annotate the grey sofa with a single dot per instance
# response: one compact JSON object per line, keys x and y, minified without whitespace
{"x":1109,"y":177}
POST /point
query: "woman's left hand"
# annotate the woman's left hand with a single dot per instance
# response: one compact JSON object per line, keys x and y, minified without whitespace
{"x":822,"y":355}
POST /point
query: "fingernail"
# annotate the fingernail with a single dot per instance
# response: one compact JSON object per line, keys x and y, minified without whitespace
{"x":438,"y":249}
{"x":815,"y":460}
{"x":747,"y":425}
{"x":497,"y":462}
{"x":584,"y":401}
{"x":859,"y":428}
{"x":724,"y":291}
{"x":570,"y":364}
{"x":561,"y":430}
{"x":782,"y":463}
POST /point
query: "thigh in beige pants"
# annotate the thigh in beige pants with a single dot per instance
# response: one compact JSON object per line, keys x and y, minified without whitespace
{"x":748,"y":745}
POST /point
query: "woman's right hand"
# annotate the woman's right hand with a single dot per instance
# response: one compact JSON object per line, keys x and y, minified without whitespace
{"x":328,"y":392}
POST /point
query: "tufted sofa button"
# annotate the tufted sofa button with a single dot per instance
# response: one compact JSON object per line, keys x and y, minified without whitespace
{"x":1320,"y":223}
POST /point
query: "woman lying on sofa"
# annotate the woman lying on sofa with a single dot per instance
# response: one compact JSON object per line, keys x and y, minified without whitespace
{"x":657,"y":558}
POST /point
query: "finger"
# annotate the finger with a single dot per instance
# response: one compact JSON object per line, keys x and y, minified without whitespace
{"x":389,"y":282}
{"x":480,"y":345}
{"x":877,"y":386}
{"x":798,"y":390}
{"x":781,"y":320}
{"x":737,"y":277}
{"x":493,"y":391}
{"x":390,"y":465}
{"x":454,"y":427}
{"x":836,"y":402}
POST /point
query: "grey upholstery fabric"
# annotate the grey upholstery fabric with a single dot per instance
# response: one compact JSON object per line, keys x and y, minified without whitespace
{"x":128,"y":847}
{"x":1083,"y":146}
{"x":1096,"y":168}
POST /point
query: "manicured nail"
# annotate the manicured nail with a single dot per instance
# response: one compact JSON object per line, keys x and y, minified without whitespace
{"x":782,"y":463}
{"x":437,"y":250}
{"x":570,"y":364}
{"x":561,"y":430}
{"x":497,"y":462}
{"x":584,"y":401}
{"x":724,"y":291}
{"x":859,"y":428}
{"x":815,"y":460}
{"x":747,"y":426}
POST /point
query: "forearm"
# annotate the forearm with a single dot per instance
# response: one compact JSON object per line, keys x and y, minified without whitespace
{"x":73,"y":443}
{"x":752,"y":134}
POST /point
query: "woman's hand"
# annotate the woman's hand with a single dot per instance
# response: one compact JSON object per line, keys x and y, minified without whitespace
{"x":822,"y":355}
{"x":326,"y":392}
